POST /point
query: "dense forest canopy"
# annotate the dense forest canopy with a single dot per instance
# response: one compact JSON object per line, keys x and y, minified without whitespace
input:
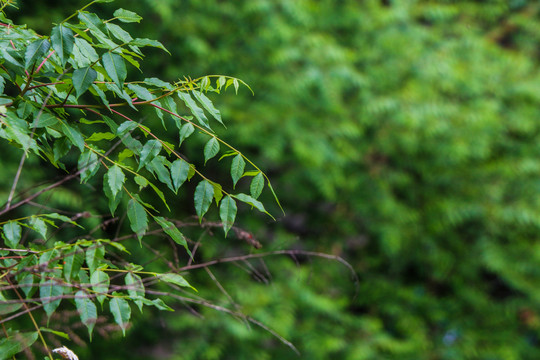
{"x":401,"y":136}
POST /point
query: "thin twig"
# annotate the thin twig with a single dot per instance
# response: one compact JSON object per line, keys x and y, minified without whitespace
{"x":228,"y":311}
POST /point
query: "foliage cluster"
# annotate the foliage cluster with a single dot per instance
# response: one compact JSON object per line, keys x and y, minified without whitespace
{"x":404,"y":137}
{"x":66,"y":101}
{"x":416,"y":126}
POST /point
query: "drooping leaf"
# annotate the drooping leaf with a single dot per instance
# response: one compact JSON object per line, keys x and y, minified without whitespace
{"x":118,"y":32}
{"x":35,"y":51}
{"x":126,"y":16}
{"x":149,"y":42}
{"x":114,"y":199}
{"x":204,"y":194}
{"x":195,"y":109}
{"x":115,"y":177}
{"x":257,"y":185}
{"x":121,"y":311}
{"x":82,"y":79}
{"x":253,"y":202}
{"x":227,"y":213}
{"x":218,"y":192}
{"x":7,"y":308}
{"x":149,"y":151}
{"x":100,"y":284}
{"x":88,"y":165}
{"x":237,"y":168}
{"x":115,"y":67}
{"x":94,"y":256}
{"x":185,"y":131}
{"x":73,"y":135}
{"x":158,"y":167}
{"x":62,"y":42}
{"x":179,"y":172}
{"x":16,"y":343}
{"x":73,"y":262}
{"x":211,"y":149}
{"x":176,"y":279}
{"x":137,"y":217}
{"x":158,"y":303}
{"x":87,"y":310}
{"x":208,"y":105}
{"x":135,"y":288}
{"x":50,"y":292}
{"x":12,"y":234}
{"x":38,"y":225}
{"x":171,"y":230}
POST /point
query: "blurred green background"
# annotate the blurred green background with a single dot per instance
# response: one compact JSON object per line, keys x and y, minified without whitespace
{"x":403,"y":136}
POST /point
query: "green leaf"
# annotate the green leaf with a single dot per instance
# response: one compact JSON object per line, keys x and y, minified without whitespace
{"x":118,"y":32}
{"x":125,"y":127}
{"x":158,"y":303}
{"x":253,"y":202}
{"x":149,"y":42}
{"x":44,"y":120}
{"x":87,"y":310}
{"x":12,"y":234}
{"x":185,"y":131}
{"x":237,"y":168}
{"x":94,"y":256}
{"x":218,"y":192}
{"x":73,"y":262}
{"x":126,"y":16}
{"x":227,"y":213}
{"x":55,"y":332}
{"x":135,"y":288}
{"x":115,"y":178}
{"x":73,"y":135}
{"x":38,"y":225}
{"x":114,"y":199}
{"x":49,"y":289}
{"x":62,"y":42}
{"x":63,"y":218}
{"x":137,"y":217}
{"x":195,"y":109}
{"x":204,"y":193}
{"x":98,"y":136}
{"x":208,"y":105}
{"x":121,"y":311}
{"x":179,"y":173}
{"x":176,"y":279}
{"x":115,"y":67}
{"x":97,"y":28}
{"x":100,"y":284}
{"x":82,"y":79}
{"x":141,"y":92}
{"x":35,"y":51}
{"x":257,"y":185}
{"x":88,"y":165}
{"x":6,"y":308}
{"x":16,"y":343}
{"x":149,"y":151}
{"x":157,"y":166}
{"x":171,"y":230}
{"x":158,"y":83}
{"x":211,"y":149}
{"x":83,"y":53}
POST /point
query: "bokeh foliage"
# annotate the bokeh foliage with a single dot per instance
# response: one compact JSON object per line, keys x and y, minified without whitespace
{"x":403,"y":136}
